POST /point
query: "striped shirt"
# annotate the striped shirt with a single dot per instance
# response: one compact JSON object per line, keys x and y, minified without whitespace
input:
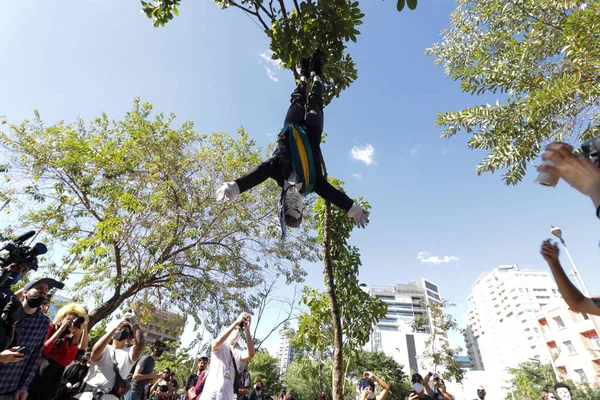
{"x":30,"y":331}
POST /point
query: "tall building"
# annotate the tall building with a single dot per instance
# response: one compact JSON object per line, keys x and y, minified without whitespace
{"x":573,"y":340}
{"x":502,"y":329}
{"x":165,"y":326}
{"x":286,"y":351}
{"x":395,"y":334}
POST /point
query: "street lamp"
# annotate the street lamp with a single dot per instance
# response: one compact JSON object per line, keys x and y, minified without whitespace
{"x":558,"y":234}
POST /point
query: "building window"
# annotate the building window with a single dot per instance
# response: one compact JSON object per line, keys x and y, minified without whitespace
{"x":585,"y":316}
{"x":386,"y":297}
{"x":433,"y":295}
{"x":559,"y":322}
{"x":387,"y":328}
{"x":582,"y":375}
{"x":569,"y":346}
{"x":431,"y":286}
{"x":595,"y":340}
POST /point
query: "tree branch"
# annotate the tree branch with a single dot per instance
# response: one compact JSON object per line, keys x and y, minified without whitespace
{"x":297,"y":6}
{"x":283,"y":10}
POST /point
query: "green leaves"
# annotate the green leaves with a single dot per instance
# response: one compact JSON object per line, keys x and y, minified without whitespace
{"x":542,"y":57}
{"x":161,"y":11}
{"x":133,"y":204}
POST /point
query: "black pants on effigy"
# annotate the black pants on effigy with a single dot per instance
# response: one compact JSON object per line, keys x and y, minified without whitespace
{"x":279,"y":166}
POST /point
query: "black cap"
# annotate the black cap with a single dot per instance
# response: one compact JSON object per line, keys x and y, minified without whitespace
{"x":52,"y":283}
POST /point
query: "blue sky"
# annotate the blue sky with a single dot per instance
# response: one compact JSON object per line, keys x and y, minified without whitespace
{"x":81,"y":58}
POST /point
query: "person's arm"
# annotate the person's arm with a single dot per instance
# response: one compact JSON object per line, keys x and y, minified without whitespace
{"x":140,"y":341}
{"x":101,"y":344}
{"x":83,"y":344}
{"x":328,"y":192}
{"x":426,"y":384}
{"x":218,"y":342}
{"x":10,"y":356}
{"x":248,"y":354}
{"x":138,"y":376}
{"x":572,"y":296}
{"x":384,"y":386}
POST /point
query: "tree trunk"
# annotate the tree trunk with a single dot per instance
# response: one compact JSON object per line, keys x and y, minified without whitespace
{"x":338,"y":361}
{"x":104,"y":310}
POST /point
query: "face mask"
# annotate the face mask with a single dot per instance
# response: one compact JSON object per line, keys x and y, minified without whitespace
{"x":371,"y":395}
{"x":13,"y":278}
{"x":35,"y":301}
{"x":481,"y":395}
{"x":234,"y":337}
{"x":121,"y":335}
{"x":563,"y":394}
{"x":293,"y":203}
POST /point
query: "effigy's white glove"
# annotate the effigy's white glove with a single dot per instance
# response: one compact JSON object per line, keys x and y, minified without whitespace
{"x":228,"y":191}
{"x":360,"y":215}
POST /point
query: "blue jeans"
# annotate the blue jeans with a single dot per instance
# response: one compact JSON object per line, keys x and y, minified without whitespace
{"x":134,"y":395}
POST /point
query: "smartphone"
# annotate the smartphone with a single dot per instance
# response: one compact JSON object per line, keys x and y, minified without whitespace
{"x":23,"y":350}
{"x":363,"y":384}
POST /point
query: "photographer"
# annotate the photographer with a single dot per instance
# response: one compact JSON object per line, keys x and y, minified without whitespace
{"x":440,"y":392}
{"x":109,"y":360}
{"x":144,"y":372}
{"x":421,"y":386}
{"x":30,"y":330}
{"x":368,"y":393}
{"x":572,"y":296}
{"x":66,"y":337}
{"x":227,"y":360}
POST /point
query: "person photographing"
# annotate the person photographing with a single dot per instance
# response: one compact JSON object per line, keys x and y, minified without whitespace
{"x":368,"y":392}
{"x":227,"y":360}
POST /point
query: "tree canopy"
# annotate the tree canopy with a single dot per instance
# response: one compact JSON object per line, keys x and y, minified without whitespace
{"x":297,"y":29}
{"x":132,"y":202}
{"x":542,"y":57}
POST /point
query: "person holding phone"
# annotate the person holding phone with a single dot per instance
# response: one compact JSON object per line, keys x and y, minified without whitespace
{"x":29,"y":334}
{"x":368,"y":391}
{"x":227,"y":360}
{"x":66,"y":338}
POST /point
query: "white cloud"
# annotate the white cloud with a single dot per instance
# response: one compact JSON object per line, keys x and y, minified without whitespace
{"x":271,"y":66}
{"x":413,"y":151}
{"x":358,"y":177}
{"x":365,"y":154}
{"x":426,"y":258}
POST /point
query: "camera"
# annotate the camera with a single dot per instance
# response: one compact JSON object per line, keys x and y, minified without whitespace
{"x":21,"y":255}
{"x":78,"y":321}
{"x":591,"y":150}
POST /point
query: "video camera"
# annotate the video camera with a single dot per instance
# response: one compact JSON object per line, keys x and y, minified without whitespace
{"x":20,"y":255}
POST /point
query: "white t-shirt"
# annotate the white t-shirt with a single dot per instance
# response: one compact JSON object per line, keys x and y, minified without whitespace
{"x":219,"y":382}
{"x":101,"y":374}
